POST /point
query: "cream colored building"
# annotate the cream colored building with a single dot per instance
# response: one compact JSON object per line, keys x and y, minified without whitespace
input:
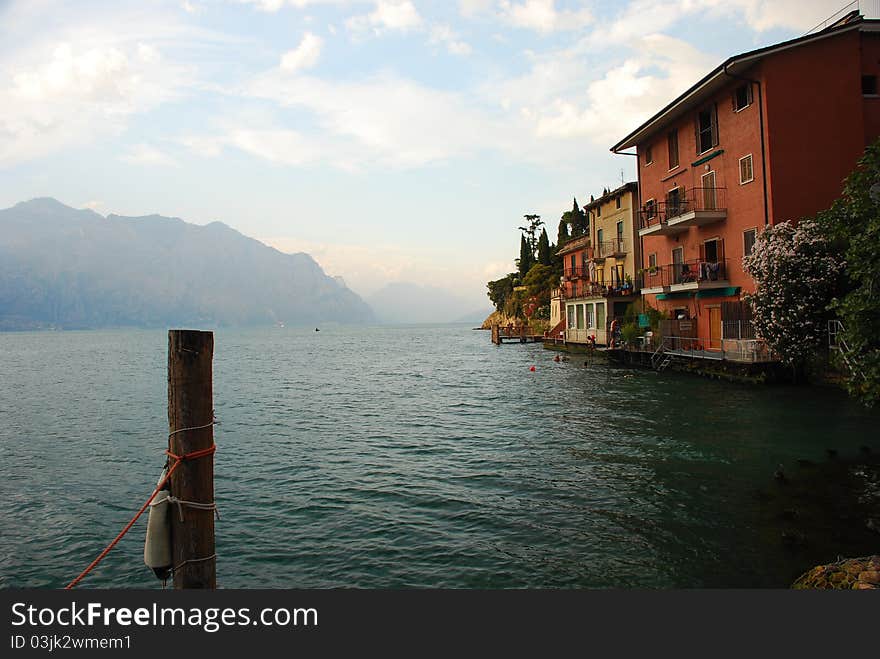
{"x":603,"y":279}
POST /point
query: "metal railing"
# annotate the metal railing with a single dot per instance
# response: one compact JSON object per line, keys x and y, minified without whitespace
{"x":611,"y":248}
{"x":577,"y":272}
{"x":695,"y":199}
{"x":736,"y":350}
{"x":596,"y":289}
{"x":693,"y":271}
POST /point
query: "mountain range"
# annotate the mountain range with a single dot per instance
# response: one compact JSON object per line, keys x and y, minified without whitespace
{"x":62,"y":267}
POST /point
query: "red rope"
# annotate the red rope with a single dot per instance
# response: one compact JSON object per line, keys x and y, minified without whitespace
{"x":178,"y":459}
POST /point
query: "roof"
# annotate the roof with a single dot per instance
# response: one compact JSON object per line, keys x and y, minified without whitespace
{"x":718,"y":78}
{"x":631,"y":186}
{"x":574,"y":244}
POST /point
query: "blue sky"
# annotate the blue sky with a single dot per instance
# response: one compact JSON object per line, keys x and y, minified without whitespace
{"x":394,"y":140}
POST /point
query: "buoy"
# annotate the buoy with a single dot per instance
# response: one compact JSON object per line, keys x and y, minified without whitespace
{"x":532,"y":368}
{"x":556,"y":358}
{"x":157,"y":544}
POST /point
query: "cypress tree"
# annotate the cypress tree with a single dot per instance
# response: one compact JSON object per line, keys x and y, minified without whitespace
{"x":526,"y":257}
{"x":562,"y":236}
{"x":544,"y":248}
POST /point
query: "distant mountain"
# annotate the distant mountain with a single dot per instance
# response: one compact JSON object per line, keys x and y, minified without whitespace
{"x":404,"y":302}
{"x":475,"y":317}
{"x":68,"y":268}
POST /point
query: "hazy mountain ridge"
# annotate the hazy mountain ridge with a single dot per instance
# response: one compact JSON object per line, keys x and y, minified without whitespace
{"x":72,"y":268}
{"x":405,"y":302}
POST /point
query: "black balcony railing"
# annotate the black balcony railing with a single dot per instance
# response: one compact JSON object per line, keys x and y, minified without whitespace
{"x":694,"y":271}
{"x":615,"y":247}
{"x":577,"y":272}
{"x":596,"y":289}
{"x":695,"y":199}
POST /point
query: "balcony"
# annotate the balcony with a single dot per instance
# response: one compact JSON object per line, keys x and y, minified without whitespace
{"x":695,"y":275}
{"x":574,"y":274}
{"x":699,"y":206}
{"x":591,"y":289}
{"x":617,"y":248}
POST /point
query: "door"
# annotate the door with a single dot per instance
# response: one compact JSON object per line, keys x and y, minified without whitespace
{"x":714,"y":328}
{"x":677,"y":260}
{"x":710,"y":201}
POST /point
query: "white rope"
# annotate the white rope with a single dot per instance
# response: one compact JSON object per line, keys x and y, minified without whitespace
{"x":215,"y":422}
{"x":198,"y":505}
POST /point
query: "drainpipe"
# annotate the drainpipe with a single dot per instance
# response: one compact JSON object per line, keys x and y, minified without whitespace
{"x":763,"y":150}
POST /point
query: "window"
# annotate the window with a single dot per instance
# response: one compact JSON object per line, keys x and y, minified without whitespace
{"x":650,"y":208}
{"x":745,"y":169}
{"x":599,"y":235}
{"x":869,"y":85}
{"x":672,"y":141}
{"x":598,"y":211}
{"x":572,"y":261}
{"x":600,"y":315}
{"x":649,"y":155}
{"x":589,"y":308}
{"x":652,"y":260}
{"x":749,"y":237}
{"x":707,"y":129}
{"x":580,"y":316}
{"x":571,"y":322}
{"x":710,"y":194}
{"x":742,"y":97}
{"x":617,"y":201}
{"x":620,"y":231}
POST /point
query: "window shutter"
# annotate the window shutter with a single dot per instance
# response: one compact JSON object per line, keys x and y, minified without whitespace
{"x":720,"y":249}
{"x":714,"y":124}
{"x":702,"y":251}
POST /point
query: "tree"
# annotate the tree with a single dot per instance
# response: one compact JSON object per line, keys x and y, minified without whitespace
{"x":526,"y":257}
{"x":562,"y":236}
{"x":853,"y":222}
{"x":500,"y":290}
{"x":577,"y":219}
{"x":544,"y":255}
{"x":796,"y":272}
{"x":531,"y":229}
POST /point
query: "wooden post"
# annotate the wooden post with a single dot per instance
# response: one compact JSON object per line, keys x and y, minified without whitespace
{"x":191,"y":404}
{"x":496,"y":335}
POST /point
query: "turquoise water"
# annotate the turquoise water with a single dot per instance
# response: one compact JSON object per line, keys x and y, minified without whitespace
{"x":408,"y":457}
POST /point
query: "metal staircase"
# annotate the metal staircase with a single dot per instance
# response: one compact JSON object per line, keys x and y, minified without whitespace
{"x":836,"y":341}
{"x":660,"y":360}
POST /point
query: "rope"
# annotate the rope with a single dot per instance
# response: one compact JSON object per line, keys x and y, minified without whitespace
{"x":178,"y":459}
{"x":193,"y":504}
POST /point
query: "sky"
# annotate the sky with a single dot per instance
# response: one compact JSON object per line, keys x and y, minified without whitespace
{"x":393,"y":140}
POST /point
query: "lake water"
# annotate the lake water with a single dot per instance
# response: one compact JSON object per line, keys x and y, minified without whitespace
{"x":409,"y":457}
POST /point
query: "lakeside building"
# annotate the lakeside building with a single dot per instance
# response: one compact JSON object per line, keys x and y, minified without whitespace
{"x":600,"y":269}
{"x":767,"y":136}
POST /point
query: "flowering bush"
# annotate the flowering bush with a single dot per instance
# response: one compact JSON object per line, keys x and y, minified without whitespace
{"x":796,"y":271}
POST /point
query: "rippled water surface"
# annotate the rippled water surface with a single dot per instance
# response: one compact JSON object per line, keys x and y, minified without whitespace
{"x":405,"y":457}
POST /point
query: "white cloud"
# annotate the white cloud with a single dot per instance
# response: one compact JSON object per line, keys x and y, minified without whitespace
{"x":387,"y":16}
{"x":443,"y":34}
{"x":542,"y":16}
{"x":383,"y":119}
{"x":192,"y":8}
{"x":69,"y":94}
{"x":642,"y":17}
{"x":148,"y":155}
{"x":305,"y":55}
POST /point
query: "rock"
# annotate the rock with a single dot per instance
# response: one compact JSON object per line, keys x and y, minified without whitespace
{"x":870,"y":576}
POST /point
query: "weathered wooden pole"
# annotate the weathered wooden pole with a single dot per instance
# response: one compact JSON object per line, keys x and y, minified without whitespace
{"x":191,"y":405}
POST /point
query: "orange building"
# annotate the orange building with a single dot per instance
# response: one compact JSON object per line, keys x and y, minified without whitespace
{"x":767,"y":136}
